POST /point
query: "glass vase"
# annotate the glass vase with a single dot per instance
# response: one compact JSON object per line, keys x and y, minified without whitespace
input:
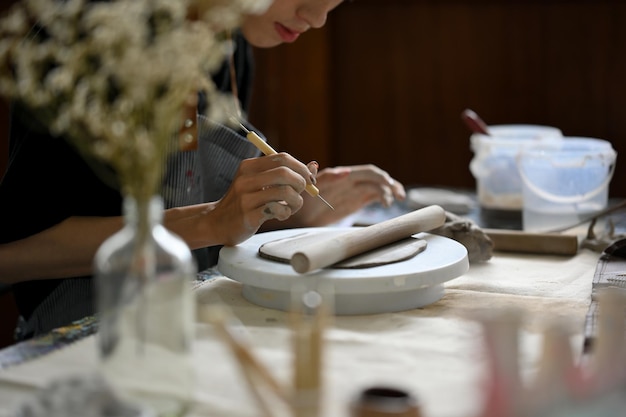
{"x":146,"y":311}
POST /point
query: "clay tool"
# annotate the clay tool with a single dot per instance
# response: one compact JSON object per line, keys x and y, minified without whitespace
{"x":329,"y":251}
{"x":474,"y":122}
{"x":264,"y":147}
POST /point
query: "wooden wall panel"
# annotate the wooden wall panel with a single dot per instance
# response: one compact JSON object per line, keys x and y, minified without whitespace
{"x":386,"y":80}
{"x":4,"y":111}
{"x":291,"y":97}
{"x":398,"y":74}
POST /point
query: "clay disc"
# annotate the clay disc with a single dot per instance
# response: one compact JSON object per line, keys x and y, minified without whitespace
{"x":281,"y":250}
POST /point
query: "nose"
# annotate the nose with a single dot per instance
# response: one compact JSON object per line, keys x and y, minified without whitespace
{"x":315,"y":12}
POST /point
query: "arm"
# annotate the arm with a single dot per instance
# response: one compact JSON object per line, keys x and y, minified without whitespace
{"x":264,"y":188}
{"x":64,"y":250}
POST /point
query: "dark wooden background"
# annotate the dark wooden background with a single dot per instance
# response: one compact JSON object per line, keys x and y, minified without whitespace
{"x":8,"y":309}
{"x":386,"y":80}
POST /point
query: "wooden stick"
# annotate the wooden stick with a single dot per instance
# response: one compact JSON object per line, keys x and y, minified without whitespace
{"x":309,"y":318}
{"x":254,"y":388}
{"x":250,"y":365}
{"x":539,"y":243}
{"x":357,"y":241}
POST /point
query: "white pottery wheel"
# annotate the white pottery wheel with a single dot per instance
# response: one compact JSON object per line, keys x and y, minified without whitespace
{"x":399,"y":286}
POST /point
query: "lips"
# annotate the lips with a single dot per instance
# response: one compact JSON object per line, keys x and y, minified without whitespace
{"x":286,"y":34}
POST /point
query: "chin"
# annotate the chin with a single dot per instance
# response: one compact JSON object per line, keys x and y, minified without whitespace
{"x":260,"y":38}
{"x":269,"y":45}
{"x":263,"y":43}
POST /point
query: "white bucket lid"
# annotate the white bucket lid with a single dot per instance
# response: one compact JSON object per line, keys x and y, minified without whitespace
{"x":513,"y":136}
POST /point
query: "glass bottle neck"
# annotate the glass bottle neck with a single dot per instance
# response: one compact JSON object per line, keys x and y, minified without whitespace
{"x":151,"y":209}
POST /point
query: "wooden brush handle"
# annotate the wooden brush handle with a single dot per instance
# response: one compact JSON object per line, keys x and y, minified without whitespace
{"x":354,"y":242}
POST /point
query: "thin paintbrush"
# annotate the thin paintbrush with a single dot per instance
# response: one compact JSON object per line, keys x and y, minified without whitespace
{"x":268,"y":150}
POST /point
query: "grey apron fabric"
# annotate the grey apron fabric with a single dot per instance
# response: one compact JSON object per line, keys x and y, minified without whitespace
{"x":205,"y":174}
{"x":70,"y":300}
{"x":191,"y":177}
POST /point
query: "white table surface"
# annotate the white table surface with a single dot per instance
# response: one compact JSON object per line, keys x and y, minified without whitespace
{"x":433,"y":352}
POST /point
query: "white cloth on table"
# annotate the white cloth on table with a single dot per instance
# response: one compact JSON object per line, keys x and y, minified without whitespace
{"x":433,"y":352}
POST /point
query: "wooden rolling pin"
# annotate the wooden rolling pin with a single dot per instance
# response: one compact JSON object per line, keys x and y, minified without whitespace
{"x":538,"y":243}
{"x":329,"y":251}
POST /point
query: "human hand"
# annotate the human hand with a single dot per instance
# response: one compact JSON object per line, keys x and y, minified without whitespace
{"x":264,"y":188}
{"x":347,"y":189}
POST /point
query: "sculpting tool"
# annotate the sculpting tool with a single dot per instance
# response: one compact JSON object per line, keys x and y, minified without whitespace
{"x":268,"y":150}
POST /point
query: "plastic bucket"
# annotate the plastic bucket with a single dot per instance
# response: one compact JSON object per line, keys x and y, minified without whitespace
{"x":564,"y":182}
{"x":498,"y":185}
{"x":494,"y":166}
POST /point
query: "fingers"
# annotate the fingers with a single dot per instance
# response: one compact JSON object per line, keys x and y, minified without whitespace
{"x":278,"y":210}
{"x":285,"y":195}
{"x":372,"y":173}
{"x":279,"y":179}
{"x":280,"y":160}
{"x":399,"y":193}
{"x":372,"y":183}
{"x":387,"y":197}
{"x":240,"y":214}
{"x":275,"y":202}
{"x":256,"y":192}
{"x":313,"y":166}
{"x":371,"y":192}
{"x":264,"y":188}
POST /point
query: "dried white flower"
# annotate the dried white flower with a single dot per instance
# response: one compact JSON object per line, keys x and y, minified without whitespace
{"x":113,"y":76}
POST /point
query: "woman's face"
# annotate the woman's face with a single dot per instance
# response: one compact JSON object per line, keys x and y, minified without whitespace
{"x":285,"y":20}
